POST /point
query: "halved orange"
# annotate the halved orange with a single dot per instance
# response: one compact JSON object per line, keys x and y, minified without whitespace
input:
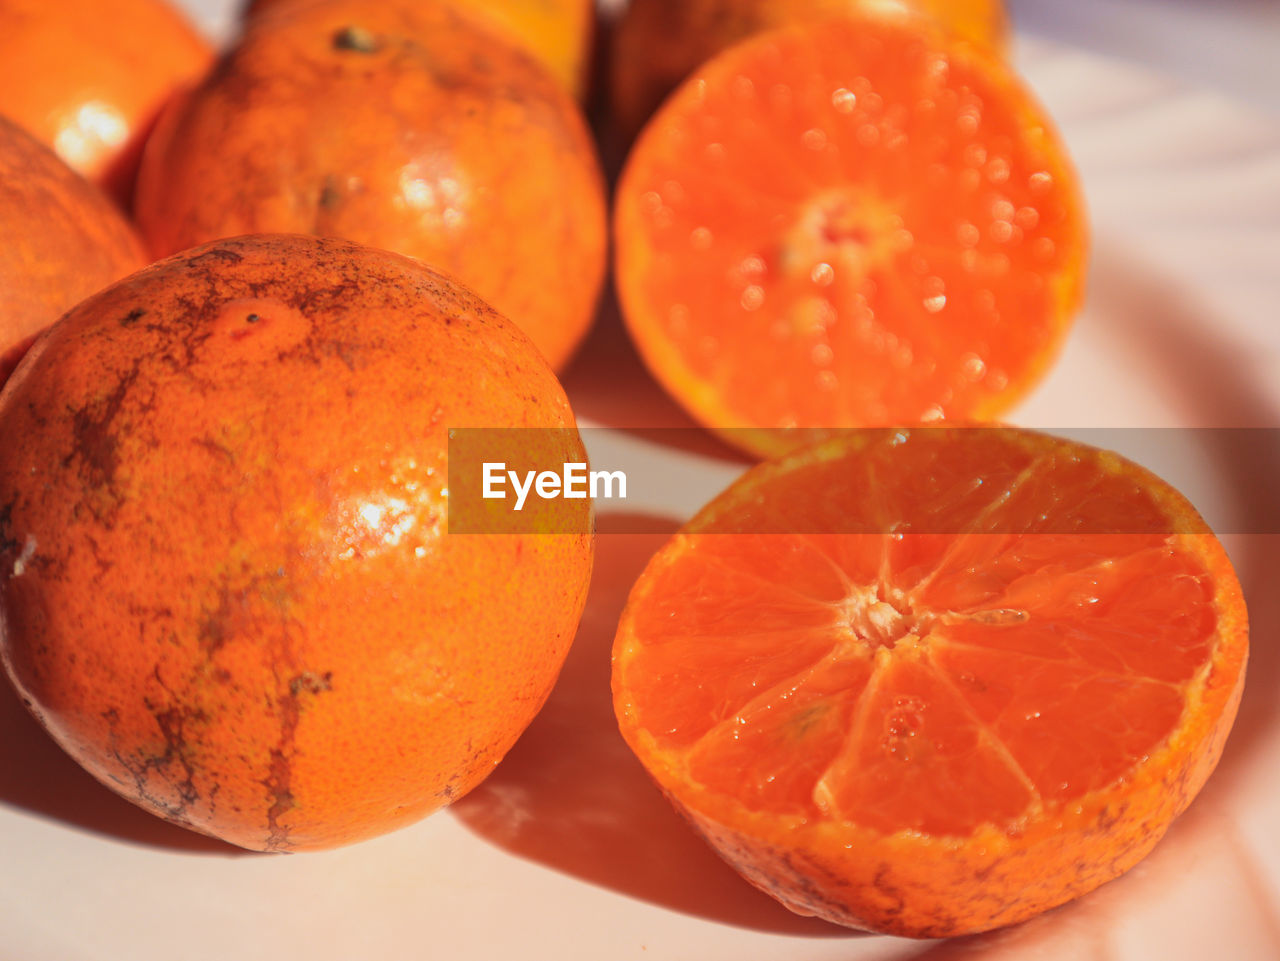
{"x":936,"y":681}
{"x":849,"y":223}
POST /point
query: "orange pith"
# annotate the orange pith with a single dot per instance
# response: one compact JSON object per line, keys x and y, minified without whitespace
{"x":847,"y":224}
{"x":980,"y":670}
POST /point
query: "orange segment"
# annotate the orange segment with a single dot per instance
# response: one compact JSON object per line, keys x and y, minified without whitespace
{"x":848,"y":223}
{"x":918,"y":760}
{"x":808,"y":712}
{"x":992,"y":688}
{"x":1028,"y":702}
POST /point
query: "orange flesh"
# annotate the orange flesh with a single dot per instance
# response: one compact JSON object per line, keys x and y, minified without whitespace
{"x":658,"y":43}
{"x":882,"y":223}
{"x":938,"y":677}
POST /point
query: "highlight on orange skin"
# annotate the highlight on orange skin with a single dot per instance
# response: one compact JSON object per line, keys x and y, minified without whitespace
{"x":88,"y":77}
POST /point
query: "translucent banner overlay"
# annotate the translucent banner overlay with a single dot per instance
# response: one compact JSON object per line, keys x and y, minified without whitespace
{"x":531,"y":480}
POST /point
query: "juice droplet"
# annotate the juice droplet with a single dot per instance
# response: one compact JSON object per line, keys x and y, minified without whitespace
{"x":822,"y":274}
{"x":752,"y":298}
{"x":844,"y":100}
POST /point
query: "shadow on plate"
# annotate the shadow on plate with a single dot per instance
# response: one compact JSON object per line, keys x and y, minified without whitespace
{"x":39,"y":776}
{"x":572,"y":796}
{"x":1152,"y":319}
{"x":609,"y":385}
{"x":1166,"y":332}
{"x":571,"y":793}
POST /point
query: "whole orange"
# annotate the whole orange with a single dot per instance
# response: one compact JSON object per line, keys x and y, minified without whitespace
{"x":88,"y":77}
{"x":229,"y":591}
{"x":557,"y":32}
{"x":61,"y":239}
{"x":402,"y":126}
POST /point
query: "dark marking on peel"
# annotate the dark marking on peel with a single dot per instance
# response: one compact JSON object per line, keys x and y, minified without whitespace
{"x":1111,"y":816}
{"x":355,"y":39}
{"x":813,"y":897}
{"x":279,"y":781}
{"x":174,"y":766}
{"x":278,"y":785}
{"x":221,"y":451}
{"x":330,"y":194}
{"x":173,"y":722}
{"x":8,"y":543}
{"x":311,"y":683}
{"x":222,"y":253}
{"x":94,"y":441}
{"x":218,"y":626}
{"x":881,"y":883}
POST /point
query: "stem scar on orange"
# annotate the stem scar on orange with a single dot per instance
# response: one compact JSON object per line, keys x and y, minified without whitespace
{"x":559,"y":33}
{"x":936,"y":681}
{"x":844,"y":224}
{"x":228,"y":588}
{"x":410,"y":127}
{"x":61,"y":239}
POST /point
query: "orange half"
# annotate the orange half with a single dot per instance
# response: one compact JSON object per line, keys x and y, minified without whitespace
{"x":849,"y":223}
{"x":932,"y":682}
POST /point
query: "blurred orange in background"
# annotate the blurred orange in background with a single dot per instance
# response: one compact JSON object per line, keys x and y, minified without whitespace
{"x":88,"y":77}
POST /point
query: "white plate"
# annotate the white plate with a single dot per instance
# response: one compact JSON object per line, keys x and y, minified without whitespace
{"x":567,"y":851}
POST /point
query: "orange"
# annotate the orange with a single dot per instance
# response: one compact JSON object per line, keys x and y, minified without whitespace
{"x":660,"y":42}
{"x":845,"y":224}
{"x":88,"y":77}
{"x":229,"y":591}
{"x":474,"y":161}
{"x":557,"y":32}
{"x":61,"y":239}
{"x":929,"y":682}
